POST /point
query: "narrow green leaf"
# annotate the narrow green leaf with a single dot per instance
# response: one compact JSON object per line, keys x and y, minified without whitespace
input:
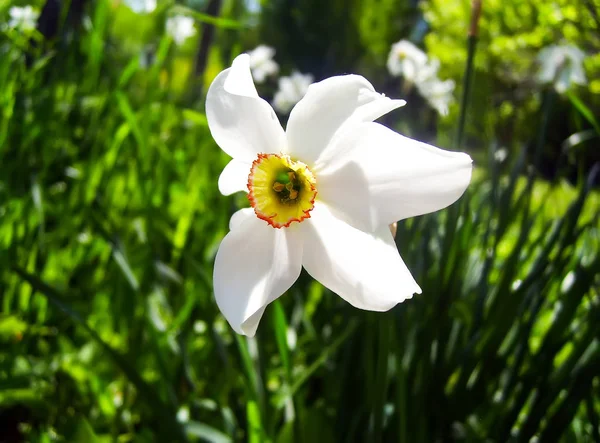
{"x":121,"y":260}
{"x":206,"y":432}
{"x":130,"y":117}
{"x":255,"y":430}
{"x":132,"y":67}
{"x":380,"y":386}
{"x":280,"y":327}
{"x":219,"y":22}
{"x":585,"y":111}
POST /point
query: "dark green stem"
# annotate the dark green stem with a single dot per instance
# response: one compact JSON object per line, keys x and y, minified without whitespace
{"x":381,"y":378}
{"x":547,"y":104}
{"x":466,"y":92}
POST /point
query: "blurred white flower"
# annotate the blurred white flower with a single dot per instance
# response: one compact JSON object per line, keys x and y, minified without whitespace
{"x":567,"y":282}
{"x":335,"y":227}
{"x":406,"y":60}
{"x":183,"y":414}
{"x":141,"y":6}
{"x":117,"y":394}
{"x":438,"y":93}
{"x":500,"y":155}
{"x":262,"y":64}
{"x":24,"y":18}
{"x":409,"y":62}
{"x":180,"y":28}
{"x":84,"y":237}
{"x":200,"y":327}
{"x":292,"y":338}
{"x":72,"y":172}
{"x":291,"y":90}
{"x":428,"y":72}
{"x":561,"y":65}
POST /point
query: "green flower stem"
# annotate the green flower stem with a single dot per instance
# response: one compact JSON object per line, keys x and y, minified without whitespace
{"x":381,"y":380}
{"x":471,"y":46}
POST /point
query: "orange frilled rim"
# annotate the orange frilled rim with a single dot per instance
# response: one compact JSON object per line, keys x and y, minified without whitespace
{"x":267,"y":203}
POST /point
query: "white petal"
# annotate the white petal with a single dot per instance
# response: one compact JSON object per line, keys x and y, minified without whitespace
{"x":239,"y":81}
{"x":291,"y":90}
{"x":377,"y":176}
{"x":578,"y":74}
{"x":546,"y":73}
{"x":234,"y":177}
{"x":239,"y":217}
{"x":255,"y":264}
{"x":364,"y":269}
{"x":327,"y":106}
{"x":563,"y":82}
{"x":406,"y":59}
{"x":242,"y":123}
{"x":259,"y":75}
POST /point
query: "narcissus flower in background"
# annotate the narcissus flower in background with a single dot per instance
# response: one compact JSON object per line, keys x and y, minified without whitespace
{"x":323,"y":193}
{"x":262,"y":64}
{"x":561,"y":66}
{"x":291,"y":90}
{"x":180,"y":28}
{"x":406,"y":60}
{"x":24,"y":18}
{"x":409,"y":62}
{"x":141,"y":6}
{"x":438,"y":93}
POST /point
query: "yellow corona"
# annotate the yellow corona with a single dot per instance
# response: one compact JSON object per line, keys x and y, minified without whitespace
{"x":281,"y":190}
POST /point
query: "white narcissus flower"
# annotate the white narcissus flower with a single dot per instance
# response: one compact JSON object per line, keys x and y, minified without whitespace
{"x":141,"y":6}
{"x":291,"y":90}
{"x":406,"y":60}
{"x":262,"y":64}
{"x":180,"y":28}
{"x":561,"y":65}
{"x":438,"y":93}
{"x":417,"y":69}
{"x":23,"y":18}
{"x":322,"y":194}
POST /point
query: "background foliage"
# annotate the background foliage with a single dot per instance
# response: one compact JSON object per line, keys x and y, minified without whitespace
{"x":110,"y":218}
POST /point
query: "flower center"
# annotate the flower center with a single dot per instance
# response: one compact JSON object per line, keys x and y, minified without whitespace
{"x":282,"y":190}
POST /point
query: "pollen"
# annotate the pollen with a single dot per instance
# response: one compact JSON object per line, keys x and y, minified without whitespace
{"x":281,"y":190}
